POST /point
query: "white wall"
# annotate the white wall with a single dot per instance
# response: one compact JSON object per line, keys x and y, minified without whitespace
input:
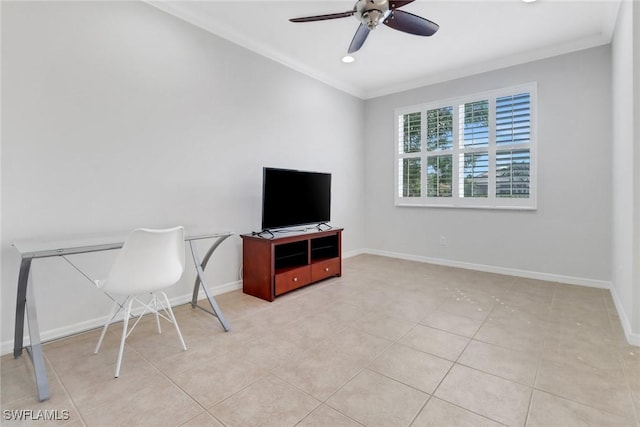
{"x":116,"y":115}
{"x":626,"y":168}
{"x":568,"y":237}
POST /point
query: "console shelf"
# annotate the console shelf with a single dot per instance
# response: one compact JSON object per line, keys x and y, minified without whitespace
{"x":272,"y":267}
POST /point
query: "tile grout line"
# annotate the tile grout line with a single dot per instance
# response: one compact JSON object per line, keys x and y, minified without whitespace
{"x":186,"y":393}
{"x":555,"y":394}
{"x":73,"y":403}
{"x":540,"y":353}
{"x":456,"y":362}
{"x":396,"y":341}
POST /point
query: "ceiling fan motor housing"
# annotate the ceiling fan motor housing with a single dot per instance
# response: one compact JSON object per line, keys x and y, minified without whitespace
{"x":372,"y":12}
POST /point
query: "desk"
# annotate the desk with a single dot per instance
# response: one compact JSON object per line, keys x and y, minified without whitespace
{"x":33,"y":249}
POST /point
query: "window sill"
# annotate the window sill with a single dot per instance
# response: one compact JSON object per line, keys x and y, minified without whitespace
{"x":454,"y":206}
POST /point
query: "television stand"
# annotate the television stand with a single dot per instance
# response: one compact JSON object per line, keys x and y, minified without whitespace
{"x":272,"y":267}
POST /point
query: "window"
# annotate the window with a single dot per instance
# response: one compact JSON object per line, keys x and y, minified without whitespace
{"x":475,"y":151}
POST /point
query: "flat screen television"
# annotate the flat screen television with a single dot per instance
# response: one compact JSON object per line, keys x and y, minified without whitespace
{"x":294,"y":197}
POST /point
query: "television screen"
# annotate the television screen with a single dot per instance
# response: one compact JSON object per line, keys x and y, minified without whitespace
{"x":292,"y":197}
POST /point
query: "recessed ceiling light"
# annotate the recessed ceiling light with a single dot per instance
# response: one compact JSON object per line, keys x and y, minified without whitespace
{"x":348,"y":59}
{"x":528,"y":1}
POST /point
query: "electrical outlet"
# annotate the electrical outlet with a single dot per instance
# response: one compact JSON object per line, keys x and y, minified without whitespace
{"x":443,"y":241}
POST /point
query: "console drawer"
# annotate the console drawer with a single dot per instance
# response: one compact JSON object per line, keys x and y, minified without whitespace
{"x":292,"y":279}
{"x":323,"y":269}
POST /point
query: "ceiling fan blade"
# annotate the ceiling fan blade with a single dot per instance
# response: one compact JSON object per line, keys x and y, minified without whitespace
{"x":358,"y":39}
{"x":323,"y":17}
{"x":394,"y":4}
{"x":410,"y":23}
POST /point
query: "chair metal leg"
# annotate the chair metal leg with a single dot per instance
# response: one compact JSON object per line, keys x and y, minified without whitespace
{"x":112,"y":314}
{"x":125,"y":326}
{"x":155,"y":306}
{"x":173,"y":319}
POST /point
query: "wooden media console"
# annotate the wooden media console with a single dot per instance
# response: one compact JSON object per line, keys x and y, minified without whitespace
{"x":272,"y":267}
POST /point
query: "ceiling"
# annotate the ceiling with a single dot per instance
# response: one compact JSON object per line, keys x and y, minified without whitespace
{"x":474,"y":36}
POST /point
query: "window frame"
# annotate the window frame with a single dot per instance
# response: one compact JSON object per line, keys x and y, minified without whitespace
{"x":458,"y":151}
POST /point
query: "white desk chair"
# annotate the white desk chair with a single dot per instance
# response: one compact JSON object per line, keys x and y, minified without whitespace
{"x":149,"y":261}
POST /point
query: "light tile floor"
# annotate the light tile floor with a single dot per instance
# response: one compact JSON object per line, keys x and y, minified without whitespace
{"x":390,"y":343}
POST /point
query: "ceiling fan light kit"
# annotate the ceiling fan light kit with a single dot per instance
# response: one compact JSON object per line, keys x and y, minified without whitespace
{"x":372,"y":13}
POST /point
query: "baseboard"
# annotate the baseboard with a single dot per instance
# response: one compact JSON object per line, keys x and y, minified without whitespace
{"x":6,"y":347}
{"x":351,"y":254}
{"x":603,"y":284}
{"x":632,"y":338}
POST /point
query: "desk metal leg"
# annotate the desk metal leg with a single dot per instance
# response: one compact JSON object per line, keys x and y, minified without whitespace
{"x":203,"y":264}
{"x":200,"y":281}
{"x":26,"y":300}
{"x":23,"y":279}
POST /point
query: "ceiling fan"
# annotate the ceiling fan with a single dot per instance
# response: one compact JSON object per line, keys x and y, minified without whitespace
{"x":372,"y":13}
